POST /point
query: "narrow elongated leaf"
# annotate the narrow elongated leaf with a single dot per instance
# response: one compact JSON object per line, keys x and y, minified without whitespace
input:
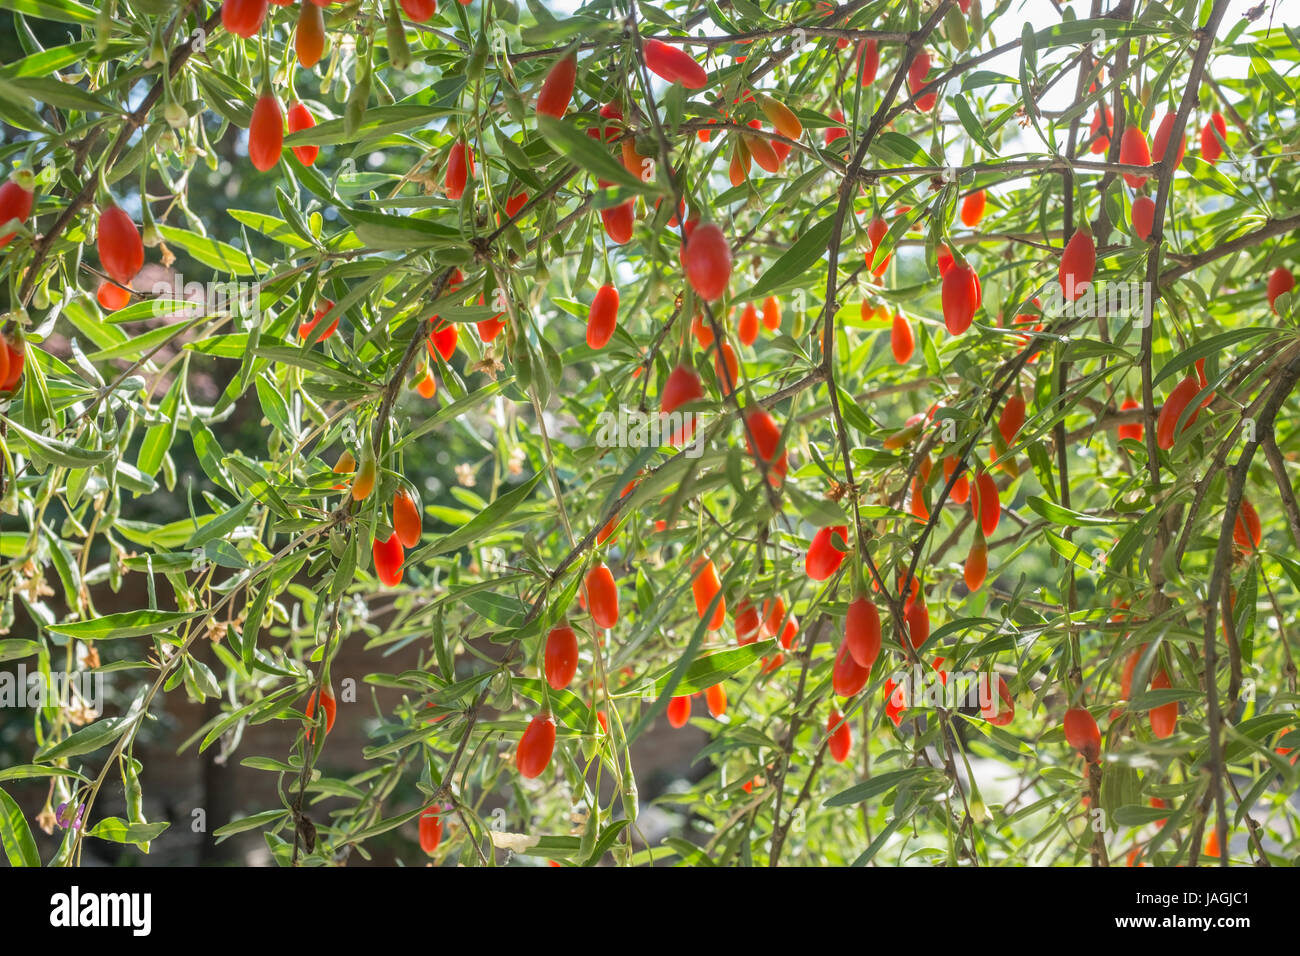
{"x":796,"y":260}
{"x":15,"y":834}
{"x":123,"y":624}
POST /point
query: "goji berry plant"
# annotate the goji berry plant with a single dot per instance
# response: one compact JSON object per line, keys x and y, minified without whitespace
{"x":915,"y":382}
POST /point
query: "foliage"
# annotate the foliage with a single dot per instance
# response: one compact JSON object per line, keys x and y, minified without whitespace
{"x":883,"y":401}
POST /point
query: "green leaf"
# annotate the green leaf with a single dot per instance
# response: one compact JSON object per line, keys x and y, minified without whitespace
{"x":16,"y":835}
{"x":15,"y":649}
{"x":57,"y":450}
{"x":880,"y":840}
{"x":253,"y":625}
{"x":55,"y":92}
{"x":502,"y":610}
{"x":1188,"y":357}
{"x":554,"y":31}
{"x":158,"y":439}
{"x":139,"y":345}
{"x":132,"y":479}
{"x":271,"y":227}
{"x":885,"y":782}
{"x":1071,"y":33}
{"x":1134,"y":815}
{"x":1064,"y":516}
{"x":117,"y":830}
{"x":16,"y":108}
{"x":382,"y":231}
{"x":123,"y":624}
{"x":480,"y":524}
{"x":452,"y":412}
{"x":218,"y":526}
{"x":607,"y":838}
{"x":970,"y":122}
{"x":213,"y":253}
{"x":796,"y":260}
{"x":569,"y":709}
{"x":904,"y":148}
{"x":379,"y":121}
{"x":61,"y":11}
{"x":86,"y":740}
{"x":269,"y":764}
{"x":819,"y":511}
{"x":31,"y":771}
{"x":712,"y":669}
{"x":253,"y":822}
{"x":1252,"y":731}
{"x":584,"y":152}
{"x":251,"y":477}
{"x":313,"y":361}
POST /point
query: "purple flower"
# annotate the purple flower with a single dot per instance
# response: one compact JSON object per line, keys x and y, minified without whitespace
{"x":65,"y":818}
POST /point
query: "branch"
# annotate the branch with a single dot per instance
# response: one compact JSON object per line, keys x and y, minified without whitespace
{"x":1271,"y":228}
{"x":130,"y":125}
{"x":1236,"y":482}
{"x":1284,"y":489}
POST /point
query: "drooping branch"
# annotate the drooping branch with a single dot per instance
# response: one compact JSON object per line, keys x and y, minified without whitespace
{"x":130,"y":124}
